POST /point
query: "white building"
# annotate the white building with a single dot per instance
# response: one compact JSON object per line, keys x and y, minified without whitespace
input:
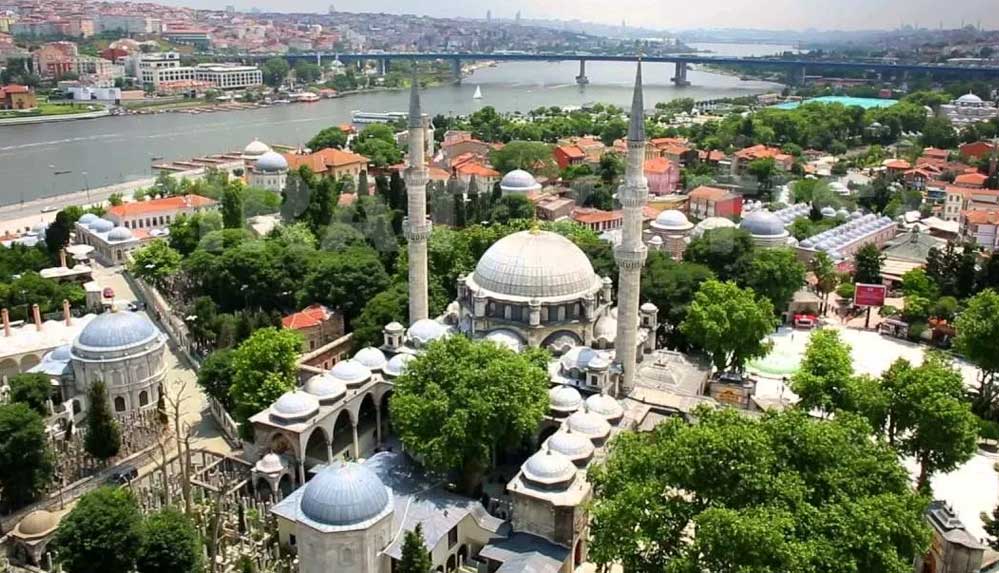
{"x":141,"y":65}
{"x":269,"y":171}
{"x":968,"y":108}
{"x":221,"y":76}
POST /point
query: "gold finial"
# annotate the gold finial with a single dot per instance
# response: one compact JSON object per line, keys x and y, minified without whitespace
{"x":535,"y":226}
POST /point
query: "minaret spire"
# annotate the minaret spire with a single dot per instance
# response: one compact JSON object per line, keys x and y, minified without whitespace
{"x":630,"y":254}
{"x":417,"y":226}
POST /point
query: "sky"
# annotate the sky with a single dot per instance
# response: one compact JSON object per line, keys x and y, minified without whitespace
{"x":672,"y":14}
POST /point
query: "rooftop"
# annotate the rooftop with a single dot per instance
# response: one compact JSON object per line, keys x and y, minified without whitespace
{"x":137,"y":208}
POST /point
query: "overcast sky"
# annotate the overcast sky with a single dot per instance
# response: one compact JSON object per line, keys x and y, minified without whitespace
{"x":672,"y":14}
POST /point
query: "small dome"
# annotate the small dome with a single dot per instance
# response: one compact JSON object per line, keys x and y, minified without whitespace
{"x":648,"y":307}
{"x":38,"y":523}
{"x":345,"y":494}
{"x":605,"y":406}
{"x":656,"y":240}
{"x":255,"y":149}
{"x":505,"y":338}
{"x":326,"y":388}
{"x":807,"y":244}
{"x":394,"y":327}
{"x":519,"y":181}
{"x":397,"y":365}
{"x":710,"y":224}
{"x":564,"y":399}
{"x":270,"y":464}
{"x":119,"y":234}
{"x":371,"y":357}
{"x":101,"y":226}
{"x":828,"y":212}
{"x":672,"y":220}
{"x":969,"y":98}
{"x":427,"y":330}
{"x":271,"y":162}
{"x":763,"y":223}
{"x":295,"y":406}
{"x":843,"y":213}
{"x":572,"y":445}
{"x":579,"y":357}
{"x":590,"y":424}
{"x":115,"y":330}
{"x":549,"y":468}
{"x":535,"y":264}
{"x":61,"y":353}
{"x":350,"y":372}
{"x":605,"y":328}
{"x":87,"y":218}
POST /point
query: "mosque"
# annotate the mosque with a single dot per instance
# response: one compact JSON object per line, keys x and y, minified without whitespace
{"x":325,"y":451}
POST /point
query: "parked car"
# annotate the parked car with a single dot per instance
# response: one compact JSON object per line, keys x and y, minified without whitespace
{"x":123,"y":475}
{"x":136,"y":305}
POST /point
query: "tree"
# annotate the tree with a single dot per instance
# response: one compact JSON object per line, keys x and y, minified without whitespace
{"x":33,"y":390}
{"x":377,"y":143}
{"x":390,"y":305}
{"x":729,"y":324}
{"x":232,"y":206}
{"x":867,"y":265}
{"x":530,"y":156}
{"x":116,"y":199}
{"x":26,"y":464}
{"x":415,"y":557}
{"x":671,"y":286}
{"x":215,"y":376}
{"x":275,"y":70}
{"x":329,"y":138}
{"x":346,"y":279}
{"x":611,"y":167}
{"x":934,"y":422}
{"x":938,"y":132}
{"x":170,"y":544}
{"x":155,"y":263}
{"x":103,"y":439}
{"x":510,"y":208}
{"x":57,"y":233}
{"x":823,"y":378}
{"x":307,"y":72}
{"x":776,"y":274}
{"x":263,"y":368}
{"x":102,"y":534}
{"x":978,"y":341}
{"x":186,"y":231}
{"x":783,"y":492}
{"x":461,"y":399}
{"x":826,"y":277}
{"x":764,"y":170}
{"x":727,"y":252}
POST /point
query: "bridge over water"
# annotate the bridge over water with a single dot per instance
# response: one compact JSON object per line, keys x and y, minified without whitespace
{"x":796,"y":67}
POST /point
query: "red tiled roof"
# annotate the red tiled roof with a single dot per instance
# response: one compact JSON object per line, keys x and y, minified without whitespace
{"x":981,"y":217}
{"x":710,"y":193}
{"x":477,"y":169}
{"x":571,"y":151}
{"x":974,"y":179}
{"x":14,"y":89}
{"x":159,"y":205}
{"x":589,"y":215}
{"x":658,"y":165}
{"x":312,"y":315}
{"x":936,"y":153}
{"x":324,"y":159}
{"x":898,"y":164}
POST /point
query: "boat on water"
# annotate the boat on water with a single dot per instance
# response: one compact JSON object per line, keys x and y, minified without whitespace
{"x":362,"y":117}
{"x":304,"y":97}
{"x":478,"y":93}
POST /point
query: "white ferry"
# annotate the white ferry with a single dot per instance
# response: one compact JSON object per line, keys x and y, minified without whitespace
{"x":358,"y":116}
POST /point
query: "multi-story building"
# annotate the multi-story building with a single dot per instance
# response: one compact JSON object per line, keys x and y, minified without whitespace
{"x":156,"y":213}
{"x":141,"y":65}
{"x":162,"y":74}
{"x":714,"y":202}
{"x":962,"y":199}
{"x":128,"y":23}
{"x":55,"y":59}
{"x":330,"y":162}
{"x":981,"y":228}
{"x":662,"y":174}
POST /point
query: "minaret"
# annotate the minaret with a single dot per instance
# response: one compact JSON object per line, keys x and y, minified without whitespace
{"x":417,"y":226}
{"x":630,"y":254}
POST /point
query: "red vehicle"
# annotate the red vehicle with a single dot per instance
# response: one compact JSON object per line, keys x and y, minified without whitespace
{"x":108,"y":292}
{"x":806,"y":321}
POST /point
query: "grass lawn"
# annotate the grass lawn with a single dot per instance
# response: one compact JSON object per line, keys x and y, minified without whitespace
{"x":45,"y":108}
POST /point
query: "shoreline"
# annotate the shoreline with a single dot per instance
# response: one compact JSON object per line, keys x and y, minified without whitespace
{"x":32,"y":119}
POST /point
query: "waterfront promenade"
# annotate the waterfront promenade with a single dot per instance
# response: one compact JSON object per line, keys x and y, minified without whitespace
{"x":19,"y":217}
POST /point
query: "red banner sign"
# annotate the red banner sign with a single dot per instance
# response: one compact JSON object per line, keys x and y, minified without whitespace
{"x":869,"y":295}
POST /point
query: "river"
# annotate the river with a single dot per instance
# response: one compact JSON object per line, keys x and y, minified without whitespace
{"x":101,"y":152}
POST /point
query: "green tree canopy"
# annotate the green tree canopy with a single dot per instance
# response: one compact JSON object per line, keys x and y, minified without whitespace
{"x":776,"y":274}
{"x":170,"y":544}
{"x":978,"y":340}
{"x":867,"y":264}
{"x":531,"y":156}
{"x":729,"y":324}
{"x":275,"y":70}
{"x":31,"y":389}
{"x":103,"y":439}
{"x":823,"y":378}
{"x":390,"y":305}
{"x":26,"y":463}
{"x":102,"y":534}
{"x":461,"y":399}
{"x":783,"y":492}
{"x":57,"y":233}
{"x":232,"y":206}
{"x":215,"y":376}
{"x":330,"y":137}
{"x":671,"y":286}
{"x":263,"y":368}
{"x":155,"y":263}
{"x":346,"y":279}
{"x":415,"y":557}
{"x":727,"y":252}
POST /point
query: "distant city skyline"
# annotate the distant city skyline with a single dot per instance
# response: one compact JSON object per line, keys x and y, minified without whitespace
{"x":668,"y":14}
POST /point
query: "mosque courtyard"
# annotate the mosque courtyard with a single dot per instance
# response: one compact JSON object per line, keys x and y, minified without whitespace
{"x":971,"y":489}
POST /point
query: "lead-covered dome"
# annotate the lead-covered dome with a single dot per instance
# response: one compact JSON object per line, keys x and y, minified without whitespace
{"x":969,"y":98}
{"x":38,"y":523}
{"x":397,"y":365}
{"x":549,"y":468}
{"x":672,"y":220}
{"x":345,"y":494}
{"x":114,"y":330}
{"x":564,"y":399}
{"x":295,"y":406}
{"x":710,"y":224}
{"x":535,"y":265}
{"x":271,"y":162}
{"x":325,"y":388}
{"x":763,"y":223}
{"x":371,"y":357}
{"x":590,"y":424}
{"x":101,"y":226}
{"x":87,"y":218}
{"x":519,"y":181}
{"x":572,"y":445}
{"x":605,"y":406}
{"x":119,"y":234}
{"x":350,"y":372}
{"x":255,"y":149}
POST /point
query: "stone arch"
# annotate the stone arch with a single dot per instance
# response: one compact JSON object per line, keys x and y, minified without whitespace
{"x":119,"y":404}
{"x":452,"y":563}
{"x":280,"y":444}
{"x":462,"y":555}
{"x":343,"y":433}
{"x":315,"y":447}
{"x":77,"y":407}
{"x":383,"y":404}
{"x":577,"y":554}
{"x":561,"y":338}
{"x":284,"y":485}
{"x":29,"y":361}
{"x":143,"y":398}
{"x":366,"y":415}
{"x":8,"y":368}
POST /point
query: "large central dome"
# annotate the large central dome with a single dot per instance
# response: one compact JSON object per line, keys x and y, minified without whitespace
{"x":535,"y":265}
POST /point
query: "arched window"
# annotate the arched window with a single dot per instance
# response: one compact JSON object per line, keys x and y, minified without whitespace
{"x":76,"y":407}
{"x":119,"y":404}
{"x":143,"y":398}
